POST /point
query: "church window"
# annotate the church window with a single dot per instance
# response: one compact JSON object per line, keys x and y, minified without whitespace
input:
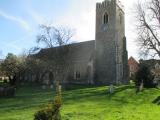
{"x":105,"y":18}
{"x":77,"y":75}
{"x":120,"y":18}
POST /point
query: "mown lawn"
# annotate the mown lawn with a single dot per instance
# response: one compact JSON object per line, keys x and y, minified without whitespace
{"x":84,"y":104}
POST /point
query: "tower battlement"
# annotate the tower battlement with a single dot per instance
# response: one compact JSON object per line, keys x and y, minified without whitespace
{"x":104,"y":4}
{"x":107,"y":3}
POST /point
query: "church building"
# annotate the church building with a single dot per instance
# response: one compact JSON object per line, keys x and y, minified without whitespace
{"x":104,"y":60}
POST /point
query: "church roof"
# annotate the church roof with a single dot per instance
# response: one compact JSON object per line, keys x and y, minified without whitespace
{"x":80,"y":52}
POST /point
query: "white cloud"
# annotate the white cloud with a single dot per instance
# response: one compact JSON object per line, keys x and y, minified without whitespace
{"x":20,"y":21}
{"x":80,"y":16}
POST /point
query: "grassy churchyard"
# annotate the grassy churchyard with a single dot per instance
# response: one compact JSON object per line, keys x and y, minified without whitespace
{"x":84,"y":104}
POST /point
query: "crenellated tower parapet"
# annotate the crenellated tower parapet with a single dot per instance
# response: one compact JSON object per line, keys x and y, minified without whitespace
{"x":108,"y":3}
{"x":104,"y":4}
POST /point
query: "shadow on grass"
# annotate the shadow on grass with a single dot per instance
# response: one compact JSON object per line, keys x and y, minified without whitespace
{"x":83,"y":115}
{"x":96,"y":94}
{"x":157,"y":101}
{"x":122,"y":95}
{"x":26,"y":98}
{"x":22,"y":106}
{"x":70,"y":87}
{"x":120,"y":89}
{"x":83,"y":93}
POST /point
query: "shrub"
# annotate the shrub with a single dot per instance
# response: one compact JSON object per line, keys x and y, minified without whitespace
{"x":144,"y":76}
{"x":44,"y":114}
{"x":5,"y":81}
{"x":52,"y":112}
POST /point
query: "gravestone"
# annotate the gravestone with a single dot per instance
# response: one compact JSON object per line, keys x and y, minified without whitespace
{"x":141,"y":86}
{"x":51,"y":86}
{"x":111,"y":89}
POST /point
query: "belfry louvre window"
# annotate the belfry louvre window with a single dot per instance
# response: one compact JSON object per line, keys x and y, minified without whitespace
{"x":105,"y":18}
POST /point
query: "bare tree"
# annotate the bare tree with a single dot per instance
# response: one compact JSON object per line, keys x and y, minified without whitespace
{"x":53,"y":37}
{"x":148,"y":27}
{"x":56,"y":51}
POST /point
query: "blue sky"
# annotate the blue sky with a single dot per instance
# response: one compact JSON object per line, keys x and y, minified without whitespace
{"x":19,"y":21}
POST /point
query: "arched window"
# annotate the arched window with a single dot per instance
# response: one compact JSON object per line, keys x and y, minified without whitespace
{"x":105,"y":18}
{"x":120,"y":18}
{"x":77,"y":75}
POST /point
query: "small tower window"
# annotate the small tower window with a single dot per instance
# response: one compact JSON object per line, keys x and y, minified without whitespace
{"x":120,"y":18}
{"x":105,"y":18}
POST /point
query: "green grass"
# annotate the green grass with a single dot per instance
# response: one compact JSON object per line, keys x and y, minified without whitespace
{"x":85,"y":104}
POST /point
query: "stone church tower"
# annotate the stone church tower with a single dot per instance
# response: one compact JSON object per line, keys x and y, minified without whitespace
{"x":110,"y":44}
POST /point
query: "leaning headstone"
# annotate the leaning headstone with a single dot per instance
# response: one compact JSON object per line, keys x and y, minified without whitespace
{"x":51,"y":86}
{"x":158,"y":81}
{"x":141,"y":87}
{"x":59,"y":88}
{"x":111,"y":89}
